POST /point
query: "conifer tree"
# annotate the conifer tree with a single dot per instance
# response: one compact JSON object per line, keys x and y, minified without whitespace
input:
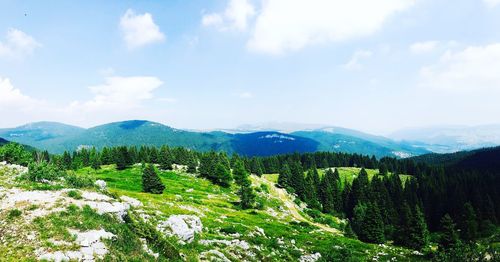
{"x":284,"y":176}
{"x":297,"y":179}
{"x":151,"y":182}
{"x":449,"y":236}
{"x":372,"y":227}
{"x":95,"y":162}
{"x":222,"y":175}
{"x":418,"y":233}
{"x":192,"y":164}
{"x":469,"y":223}
{"x":165,"y":158}
{"x":245,"y":192}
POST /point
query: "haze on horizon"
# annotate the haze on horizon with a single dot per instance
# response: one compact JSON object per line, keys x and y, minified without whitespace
{"x":375,"y":66}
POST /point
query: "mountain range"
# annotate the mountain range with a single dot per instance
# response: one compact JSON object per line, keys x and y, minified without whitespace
{"x":57,"y":138}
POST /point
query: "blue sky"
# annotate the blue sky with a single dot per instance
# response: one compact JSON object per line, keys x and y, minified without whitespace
{"x":377,"y":66}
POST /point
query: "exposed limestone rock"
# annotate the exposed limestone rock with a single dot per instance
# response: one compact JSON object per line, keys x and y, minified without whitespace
{"x":183,"y":227}
{"x":131,"y":201}
{"x":91,"y":247}
{"x":101,"y":184}
{"x":310,"y":257}
{"x":213,"y":255}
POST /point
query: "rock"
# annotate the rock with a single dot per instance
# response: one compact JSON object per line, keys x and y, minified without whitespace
{"x":189,"y":190}
{"x":183,"y":227}
{"x":310,"y":258}
{"x":178,"y":198}
{"x":90,"y":244}
{"x":131,"y":201}
{"x":93,"y":196}
{"x":101,"y":184}
{"x":147,"y":249}
{"x":214,"y":255}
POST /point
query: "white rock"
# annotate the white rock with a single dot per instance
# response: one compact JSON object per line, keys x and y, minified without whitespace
{"x":214,"y":255}
{"x":131,"y":201}
{"x":147,"y":249}
{"x":182,"y":226}
{"x":101,"y":184}
{"x":310,"y":258}
{"x":94,"y":196}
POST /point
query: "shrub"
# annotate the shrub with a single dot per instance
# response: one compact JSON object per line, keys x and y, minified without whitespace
{"x":79,"y":181}
{"x":74,"y":194}
{"x":14,"y":213}
{"x":38,"y":172}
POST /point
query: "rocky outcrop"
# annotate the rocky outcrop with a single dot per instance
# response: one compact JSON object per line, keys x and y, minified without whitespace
{"x":183,"y":227}
{"x":91,"y":247}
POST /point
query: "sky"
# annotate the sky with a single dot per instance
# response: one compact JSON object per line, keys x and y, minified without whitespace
{"x":375,"y":66}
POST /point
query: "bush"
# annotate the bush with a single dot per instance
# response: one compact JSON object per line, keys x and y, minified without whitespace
{"x":14,"y":213}
{"x":74,"y":194}
{"x":43,"y":171}
{"x":15,"y":154}
{"x":79,"y":181}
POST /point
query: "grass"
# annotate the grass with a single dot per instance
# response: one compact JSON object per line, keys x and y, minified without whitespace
{"x":217,"y":207}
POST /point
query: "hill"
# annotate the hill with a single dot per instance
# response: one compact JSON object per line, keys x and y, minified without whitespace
{"x":486,"y":159}
{"x":3,"y":141}
{"x":67,"y":222}
{"x":57,"y":138}
{"x":344,"y":140}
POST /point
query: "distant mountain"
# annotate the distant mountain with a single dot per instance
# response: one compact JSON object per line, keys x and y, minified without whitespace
{"x":57,"y":137}
{"x":448,"y":139}
{"x":3,"y":141}
{"x":481,"y":160}
{"x":351,"y":141}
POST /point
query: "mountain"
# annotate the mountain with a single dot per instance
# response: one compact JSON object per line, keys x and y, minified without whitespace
{"x":481,"y":160}
{"x":57,"y":137}
{"x":3,"y":141}
{"x":42,"y":135}
{"x":352,"y":141}
{"x":446,"y":139}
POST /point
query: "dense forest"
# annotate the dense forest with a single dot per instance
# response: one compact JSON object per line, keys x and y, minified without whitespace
{"x":444,"y":204}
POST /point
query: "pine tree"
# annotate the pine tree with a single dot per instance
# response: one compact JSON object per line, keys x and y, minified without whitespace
{"x":165,"y":158}
{"x":151,"y":182}
{"x":121,"y":158}
{"x":449,"y":236}
{"x":223,"y":175}
{"x":192,"y":164}
{"x":372,"y":227}
{"x":418,"y":235}
{"x":310,"y":188}
{"x":67,"y":160}
{"x":240,"y":174}
{"x":469,"y":228}
{"x":95,"y":162}
{"x":297,"y":179}
{"x":284,"y":176}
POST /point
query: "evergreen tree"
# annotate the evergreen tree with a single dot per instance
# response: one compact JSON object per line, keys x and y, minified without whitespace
{"x":418,"y":235}
{"x":297,"y":180}
{"x":246,"y":194}
{"x":95,"y":161}
{"x":151,"y":182}
{"x":284,"y":176}
{"x":372,"y":227}
{"x":67,"y":160}
{"x":449,"y":236}
{"x":326,"y":194}
{"x":469,"y":228}
{"x":121,"y":158}
{"x":165,"y":158}
{"x":192,"y":164}
{"x":222,"y":175}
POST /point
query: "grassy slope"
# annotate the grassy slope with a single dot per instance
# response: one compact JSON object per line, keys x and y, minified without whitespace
{"x":216,"y":207}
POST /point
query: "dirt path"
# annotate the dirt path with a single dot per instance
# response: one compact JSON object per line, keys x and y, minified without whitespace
{"x":292,"y":207}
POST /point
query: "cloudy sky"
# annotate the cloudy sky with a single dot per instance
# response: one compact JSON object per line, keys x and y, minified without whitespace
{"x":377,"y":66}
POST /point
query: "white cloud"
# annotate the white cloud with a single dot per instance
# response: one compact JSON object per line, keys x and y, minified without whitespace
{"x":140,"y":30}
{"x":246,"y":95}
{"x":11,"y":97}
{"x":423,"y":47}
{"x":354,"y":63}
{"x":491,"y":3}
{"x":17,"y":44}
{"x":120,"y":93}
{"x":235,"y":16}
{"x":289,"y":25}
{"x":473,"y":68}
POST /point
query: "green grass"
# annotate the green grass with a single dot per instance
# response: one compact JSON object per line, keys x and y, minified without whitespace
{"x":217,"y":207}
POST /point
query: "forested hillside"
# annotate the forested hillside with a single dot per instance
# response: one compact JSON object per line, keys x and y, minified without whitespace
{"x":444,"y":212}
{"x":57,"y":138}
